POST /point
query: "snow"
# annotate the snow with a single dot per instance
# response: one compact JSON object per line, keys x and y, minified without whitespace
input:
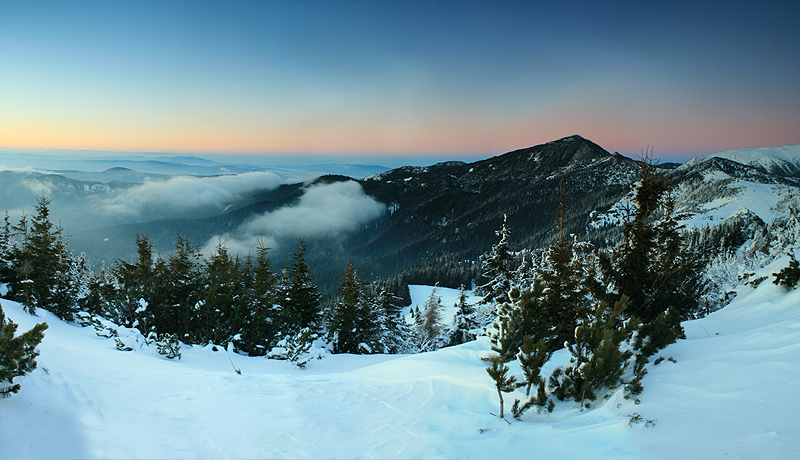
{"x":449,"y":298}
{"x":784,"y":158}
{"x":731,"y":197}
{"x":733,"y":393}
{"x":763,"y":200}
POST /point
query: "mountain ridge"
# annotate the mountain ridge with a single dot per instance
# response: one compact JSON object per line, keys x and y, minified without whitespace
{"x":451,"y":210}
{"x":781,"y":161}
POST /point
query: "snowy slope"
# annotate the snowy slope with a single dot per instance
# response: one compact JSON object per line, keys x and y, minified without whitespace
{"x":712,"y":191}
{"x":734,"y":196}
{"x":783,"y":160}
{"x":726,"y":189}
{"x":733,"y":393}
{"x":447,"y":297}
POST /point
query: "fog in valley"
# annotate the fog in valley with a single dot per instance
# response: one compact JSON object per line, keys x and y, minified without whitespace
{"x":104,"y":199}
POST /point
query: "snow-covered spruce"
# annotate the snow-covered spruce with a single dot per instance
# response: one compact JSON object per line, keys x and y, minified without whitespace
{"x":726,"y":393}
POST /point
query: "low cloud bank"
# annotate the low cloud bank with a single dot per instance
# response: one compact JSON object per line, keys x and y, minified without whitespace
{"x":184,"y":195}
{"x":26,"y":169}
{"x":326,"y":210}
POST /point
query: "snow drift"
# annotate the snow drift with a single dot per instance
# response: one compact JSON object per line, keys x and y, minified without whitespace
{"x":732,"y":393}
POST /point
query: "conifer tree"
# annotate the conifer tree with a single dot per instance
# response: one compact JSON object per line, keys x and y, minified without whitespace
{"x":176,"y":290}
{"x":302,"y":307}
{"x":101,"y":294}
{"x":259,"y":316}
{"x":43,"y":261}
{"x":464,"y":322}
{"x":564,"y":295}
{"x":788,"y":276}
{"x":598,"y":358}
{"x":531,"y":357}
{"x":429,"y":323}
{"x":344,"y":313}
{"x":371,"y":326}
{"x":22,"y":267}
{"x":653,"y":264}
{"x":396,"y":334}
{"x":169,"y":346}
{"x":215,"y":318}
{"x":522,"y":315}
{"x":496,"y":267}
{"x":136,"y":284}
{"x":504,"y":383}
{"x":7,"y":273}
{"x":565,"y":282}
{"x":40,"y":258}
{"x":17,"y":353}
{"x":71,"y":280}
{"x":284,"y":316}
{"x":525,"y":274}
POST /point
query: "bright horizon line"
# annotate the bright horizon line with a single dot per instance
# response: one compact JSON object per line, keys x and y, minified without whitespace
{"x":680,"y":155}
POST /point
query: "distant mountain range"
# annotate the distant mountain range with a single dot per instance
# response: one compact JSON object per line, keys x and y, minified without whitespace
{"x":443,"y":214}
{"x":449,"y":210}
{"x":135,"y":168}
{"x":781,"y":161}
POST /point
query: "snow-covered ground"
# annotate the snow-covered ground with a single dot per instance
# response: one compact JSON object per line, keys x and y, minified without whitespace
{"x":767,"y":201}
{"x":447,"y":297}
{"x":734,"y":392}
{"x":785,"y":159}
{"x":719,"y":198}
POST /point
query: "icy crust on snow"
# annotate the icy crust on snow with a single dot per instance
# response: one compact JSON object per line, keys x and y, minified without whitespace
{"x":733,"y":393}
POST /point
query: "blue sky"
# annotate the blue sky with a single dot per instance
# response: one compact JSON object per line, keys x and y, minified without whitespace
{"x":398,"y":78}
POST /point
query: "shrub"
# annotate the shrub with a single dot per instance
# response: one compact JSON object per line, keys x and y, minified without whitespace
{"x":788,"y":276}
{"x":17,"y":353}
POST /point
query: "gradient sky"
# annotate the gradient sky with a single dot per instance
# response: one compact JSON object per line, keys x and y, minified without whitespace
{"x":461,"y":78}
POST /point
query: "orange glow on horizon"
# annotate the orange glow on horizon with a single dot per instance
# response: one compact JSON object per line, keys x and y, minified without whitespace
{"x":690,"y":135}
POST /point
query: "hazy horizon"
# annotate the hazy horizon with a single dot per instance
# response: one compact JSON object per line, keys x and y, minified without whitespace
{"x":282,"y":159}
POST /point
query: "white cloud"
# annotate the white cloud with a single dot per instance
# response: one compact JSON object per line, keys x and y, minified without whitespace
{"x":184,"y":195}
{"x":26,"y":169}
{"x":326,"y":210}
{"x":39,"y":187}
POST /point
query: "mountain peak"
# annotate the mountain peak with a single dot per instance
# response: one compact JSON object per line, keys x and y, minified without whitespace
{"x":564,"y":152}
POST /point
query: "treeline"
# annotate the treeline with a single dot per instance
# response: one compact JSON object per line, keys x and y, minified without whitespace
{"x":193,"y":299}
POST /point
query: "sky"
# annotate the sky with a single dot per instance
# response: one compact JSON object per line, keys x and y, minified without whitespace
{"x":380,"y":79}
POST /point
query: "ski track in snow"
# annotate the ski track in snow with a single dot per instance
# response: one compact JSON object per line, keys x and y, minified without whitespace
{"x":733,"y":393}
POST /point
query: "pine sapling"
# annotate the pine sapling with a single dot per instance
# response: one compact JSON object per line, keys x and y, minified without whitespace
{"x":597,"y":361}
{"x":532,"y":357}
{"x":788,"y":276}
{"x":298,"y":345}
{"x":504,"y":383}
{"x":120,"y":345}
{"x":665,"y":329}
{"x":17,"y":353}
{"x":169,"y":346}
{"x":634,"y":387}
